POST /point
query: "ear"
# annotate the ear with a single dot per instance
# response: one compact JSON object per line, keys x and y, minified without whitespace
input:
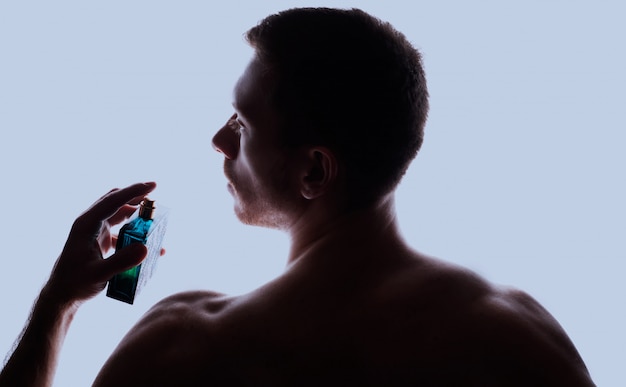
{"x":320,"y":173}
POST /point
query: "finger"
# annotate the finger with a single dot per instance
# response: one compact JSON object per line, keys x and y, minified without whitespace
{"x":122,"y":214}
{"x":88,"y":224}
{"x":104,"y":239}
{"x":112,"y":190}
{"x":111,"y":202}
{"x":136,"y":201}
{"x":124,"y":259}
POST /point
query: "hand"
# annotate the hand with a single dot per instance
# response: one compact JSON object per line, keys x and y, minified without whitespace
{"x":81,"y":272}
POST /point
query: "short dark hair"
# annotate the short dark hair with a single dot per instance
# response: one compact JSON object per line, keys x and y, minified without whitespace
{"x":351,"y":82}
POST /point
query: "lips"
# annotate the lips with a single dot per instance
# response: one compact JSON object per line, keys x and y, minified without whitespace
{"x":227,"y":170}
{"x":230,"y":186}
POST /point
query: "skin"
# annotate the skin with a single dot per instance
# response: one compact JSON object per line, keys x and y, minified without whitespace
{"x":356,"y":305}
{"x":79,"y":274}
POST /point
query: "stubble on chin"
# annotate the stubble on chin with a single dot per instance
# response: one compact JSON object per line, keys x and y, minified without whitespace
{"x":267,"y":205}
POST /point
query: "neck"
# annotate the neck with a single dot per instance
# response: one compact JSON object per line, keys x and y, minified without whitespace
{"x":320,"y":230}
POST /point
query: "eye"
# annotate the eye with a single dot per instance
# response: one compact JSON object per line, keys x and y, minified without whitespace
{"x":235,"y":125}
{"x":240,"y":126}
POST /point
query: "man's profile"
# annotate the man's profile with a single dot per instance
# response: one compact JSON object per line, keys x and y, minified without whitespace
{"x":328,"y":115}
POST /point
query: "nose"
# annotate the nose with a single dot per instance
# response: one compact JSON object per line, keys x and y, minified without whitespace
{"x":226,"y":141}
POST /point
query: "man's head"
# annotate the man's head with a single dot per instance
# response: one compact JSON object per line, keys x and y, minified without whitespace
{"x":349,"y":82}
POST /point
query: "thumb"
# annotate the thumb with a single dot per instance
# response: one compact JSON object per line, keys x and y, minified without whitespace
{"x":126,"y":258}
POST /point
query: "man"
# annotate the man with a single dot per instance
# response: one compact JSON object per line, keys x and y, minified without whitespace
{"x":328,"y":115}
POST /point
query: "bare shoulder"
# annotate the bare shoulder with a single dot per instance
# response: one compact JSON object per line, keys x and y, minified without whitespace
{"x":522,"y":340}
{"x":426,"y":279}
{"x":168,"y":337}
{"x":490,"y":334}
{"x":195,"y":303}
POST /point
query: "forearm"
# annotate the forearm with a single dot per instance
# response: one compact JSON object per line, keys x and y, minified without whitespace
{"x":80,"y":273}
{"x":34,"y":360}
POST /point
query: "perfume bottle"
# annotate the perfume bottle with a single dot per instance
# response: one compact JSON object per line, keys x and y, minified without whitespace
{"x":123,"y":286}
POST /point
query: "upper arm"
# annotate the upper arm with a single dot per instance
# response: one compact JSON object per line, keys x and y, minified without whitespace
{"x":523,"y":342}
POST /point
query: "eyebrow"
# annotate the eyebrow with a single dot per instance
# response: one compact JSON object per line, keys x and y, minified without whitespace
{"x":238,"y":106}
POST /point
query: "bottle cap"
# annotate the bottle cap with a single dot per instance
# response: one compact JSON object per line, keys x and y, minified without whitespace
{"x":146,"y":210}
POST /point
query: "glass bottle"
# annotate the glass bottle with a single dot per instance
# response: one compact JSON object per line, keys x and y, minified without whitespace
{"x":123,"y":286}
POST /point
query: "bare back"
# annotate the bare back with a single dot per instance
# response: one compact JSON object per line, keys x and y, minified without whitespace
{"x":415,"y":322}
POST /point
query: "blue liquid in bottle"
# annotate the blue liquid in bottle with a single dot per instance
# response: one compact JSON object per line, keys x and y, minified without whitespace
{"x":123,"y":286}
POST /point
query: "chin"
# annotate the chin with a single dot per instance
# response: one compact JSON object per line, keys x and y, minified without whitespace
{"x":259,"y":219}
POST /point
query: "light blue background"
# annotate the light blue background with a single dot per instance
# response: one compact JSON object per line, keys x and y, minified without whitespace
{"x":520,"y":177}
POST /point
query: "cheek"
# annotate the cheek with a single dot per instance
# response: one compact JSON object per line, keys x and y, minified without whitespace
{"x":247,"y":161}
{"x":282,"y":176}
{"x":265,"y":165}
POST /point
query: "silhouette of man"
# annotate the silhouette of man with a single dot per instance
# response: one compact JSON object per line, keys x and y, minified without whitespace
{"x":328,"y":115}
